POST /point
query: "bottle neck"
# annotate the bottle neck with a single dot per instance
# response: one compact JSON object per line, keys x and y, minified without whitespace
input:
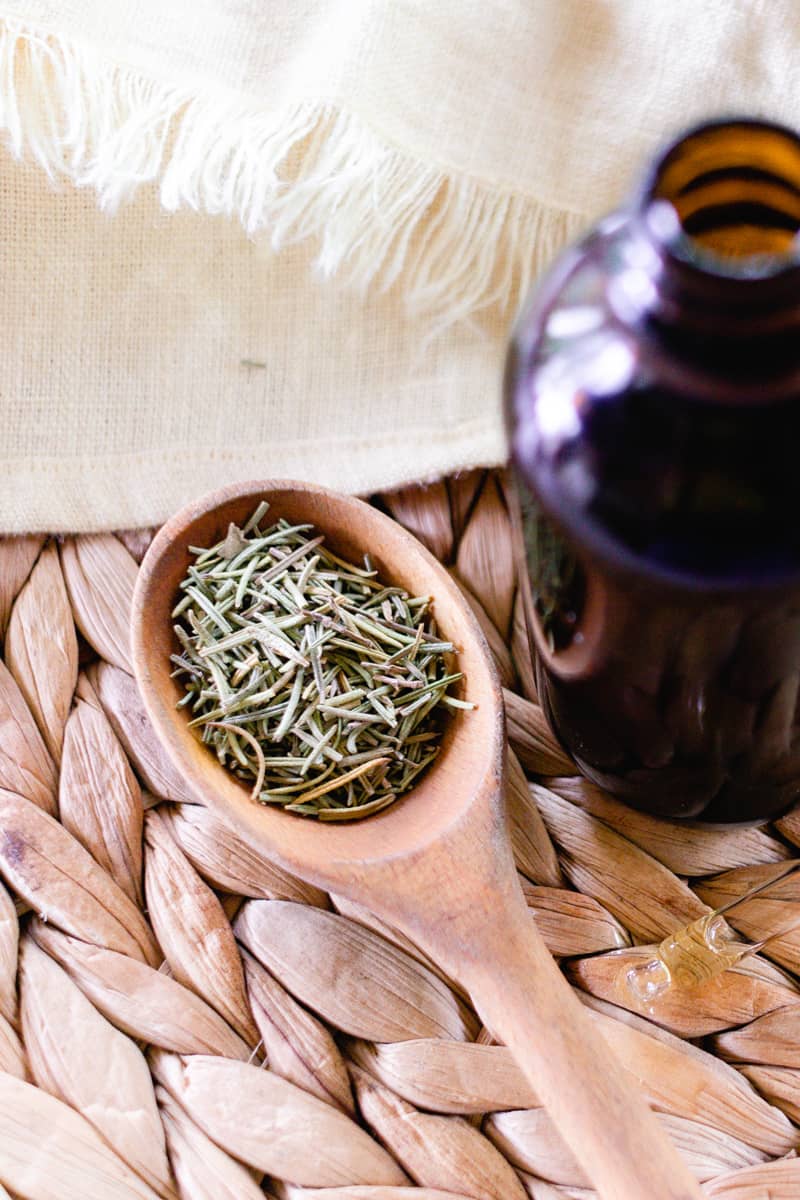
{"x":716,"y":239}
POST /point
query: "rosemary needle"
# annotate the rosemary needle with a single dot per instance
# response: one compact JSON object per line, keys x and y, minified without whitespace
{"x":318,"y":685}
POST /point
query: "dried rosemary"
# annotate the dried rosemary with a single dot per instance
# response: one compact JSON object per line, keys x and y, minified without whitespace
{"x":311,"y":679}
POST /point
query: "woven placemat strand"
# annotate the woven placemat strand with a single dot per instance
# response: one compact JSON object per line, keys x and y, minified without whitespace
{"x":181,"y":1018}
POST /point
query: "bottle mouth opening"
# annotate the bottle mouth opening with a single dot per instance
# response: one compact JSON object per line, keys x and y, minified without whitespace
{"x":726,"y":198}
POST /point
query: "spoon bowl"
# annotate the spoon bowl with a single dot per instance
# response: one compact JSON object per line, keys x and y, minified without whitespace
{"x":437,"y":864}
{"x":472,"y":745}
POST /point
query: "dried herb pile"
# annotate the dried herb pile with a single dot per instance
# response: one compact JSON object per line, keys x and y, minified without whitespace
{"x":310,"y":679}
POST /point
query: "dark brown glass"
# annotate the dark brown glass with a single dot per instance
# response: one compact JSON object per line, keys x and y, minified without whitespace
{"x":653,"y":402}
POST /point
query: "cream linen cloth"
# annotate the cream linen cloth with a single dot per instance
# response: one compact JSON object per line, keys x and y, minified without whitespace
{"x":248,"y":238}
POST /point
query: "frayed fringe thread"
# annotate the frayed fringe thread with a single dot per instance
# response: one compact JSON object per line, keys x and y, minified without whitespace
{"x":452,"y":244}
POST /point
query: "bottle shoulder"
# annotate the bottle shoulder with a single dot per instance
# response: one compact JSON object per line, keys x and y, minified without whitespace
{"x":628,"y":444}
{"x":609,"y":304}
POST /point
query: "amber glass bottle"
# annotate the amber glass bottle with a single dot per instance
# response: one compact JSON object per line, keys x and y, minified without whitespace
{"x":653,"y":401}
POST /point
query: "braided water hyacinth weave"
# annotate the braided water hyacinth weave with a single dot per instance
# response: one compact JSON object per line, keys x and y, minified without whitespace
{"x":181,"y":1018}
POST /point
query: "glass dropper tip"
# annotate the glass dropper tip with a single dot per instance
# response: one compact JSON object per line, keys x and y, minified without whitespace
{"x":648,"y":981}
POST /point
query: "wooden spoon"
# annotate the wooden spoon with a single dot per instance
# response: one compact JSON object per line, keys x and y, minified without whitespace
{"x":438,"y":863}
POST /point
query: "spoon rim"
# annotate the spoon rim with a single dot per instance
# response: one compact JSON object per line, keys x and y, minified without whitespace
{"x":319,"y":850}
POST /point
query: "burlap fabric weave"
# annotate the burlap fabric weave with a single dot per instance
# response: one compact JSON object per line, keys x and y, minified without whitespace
{"x":324,"y":217}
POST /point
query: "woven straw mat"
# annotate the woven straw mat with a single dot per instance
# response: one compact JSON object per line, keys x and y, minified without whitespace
{"x":181,"y":1018}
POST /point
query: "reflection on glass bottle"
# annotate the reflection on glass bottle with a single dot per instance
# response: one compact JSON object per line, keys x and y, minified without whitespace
{"x":556,"y":578}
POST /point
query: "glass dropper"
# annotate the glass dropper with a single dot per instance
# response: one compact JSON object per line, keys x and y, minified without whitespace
{"x":702,"y":949}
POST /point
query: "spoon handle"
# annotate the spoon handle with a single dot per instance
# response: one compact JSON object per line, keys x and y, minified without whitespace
{"x":525,"y":1001}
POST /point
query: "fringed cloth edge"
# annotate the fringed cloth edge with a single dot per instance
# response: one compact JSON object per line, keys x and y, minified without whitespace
{"x":451,"y":243}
